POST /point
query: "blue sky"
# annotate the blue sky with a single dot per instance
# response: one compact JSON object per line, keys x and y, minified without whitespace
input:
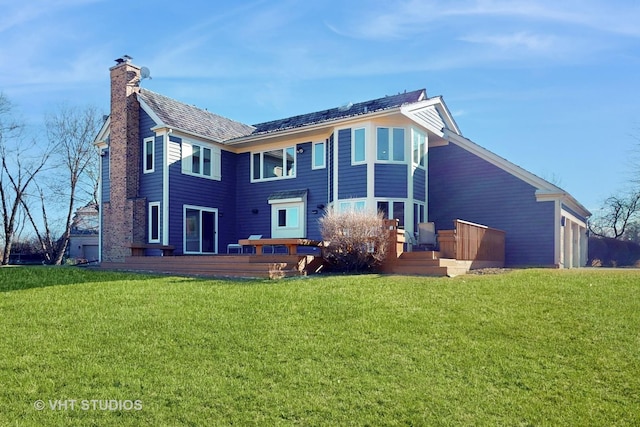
{"x":553,"y":86}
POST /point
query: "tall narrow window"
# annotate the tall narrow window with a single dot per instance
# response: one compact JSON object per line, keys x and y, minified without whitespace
{"x":419,"y":148}
{"x":148,"y":155}
{"x":319,"y":155}
{"x":358,"y":146}
{"x":154,"y":222}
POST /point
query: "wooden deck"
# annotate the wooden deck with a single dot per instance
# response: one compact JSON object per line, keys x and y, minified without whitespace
{"x":258,"y":266}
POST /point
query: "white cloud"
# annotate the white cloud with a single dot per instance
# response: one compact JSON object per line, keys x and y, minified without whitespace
{"x":522,"y":39}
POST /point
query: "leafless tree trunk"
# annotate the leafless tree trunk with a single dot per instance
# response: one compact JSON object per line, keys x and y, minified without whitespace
{"x":19,"y":169}
{"x":71,"y":132}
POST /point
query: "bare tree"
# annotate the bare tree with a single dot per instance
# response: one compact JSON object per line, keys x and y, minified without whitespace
{"x":71,"y":132}
{"x":618,"y":214}
{"x":20,"y":166}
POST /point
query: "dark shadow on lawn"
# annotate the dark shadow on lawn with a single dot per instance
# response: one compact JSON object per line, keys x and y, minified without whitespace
{"x":18,"y":278}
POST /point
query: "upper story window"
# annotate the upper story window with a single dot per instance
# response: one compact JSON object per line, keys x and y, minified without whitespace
{"x":358,"y":146}
{"x":148,"y":149}
{"x":273,"y":164}
{"x":319,"y":155}
{"x":419,"y":147}
{"x":390,"y":144}
{"x":201,"y":160}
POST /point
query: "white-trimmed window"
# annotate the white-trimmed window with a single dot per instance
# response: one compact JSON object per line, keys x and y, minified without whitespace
{"x":390,"y":144}
{"x":418,"y":215}
{"x":201,"y":160}
{"x":419,"y":147}
{"x":319,"y":155}
{"x":148,"y":154}
{"x":154,"y":222}
{"x":358,"y":146}
{"x":288,"y":218}
{"x":351,"y":205}
{"x":273,"y":164}
{"x":392,"y":210}
{"x":200,"y":230}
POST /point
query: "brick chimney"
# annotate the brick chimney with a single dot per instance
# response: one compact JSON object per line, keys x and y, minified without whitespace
{"x":124,"y":216}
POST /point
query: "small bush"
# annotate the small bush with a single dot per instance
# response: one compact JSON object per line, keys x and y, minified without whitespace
{"x":357,"y":241}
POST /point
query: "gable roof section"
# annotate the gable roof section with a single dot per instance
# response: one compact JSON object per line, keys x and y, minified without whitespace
{"x":544,"y":189}
{"x":350,"y":110}
{"x":433,"y":114}
{"x":190,"y":119}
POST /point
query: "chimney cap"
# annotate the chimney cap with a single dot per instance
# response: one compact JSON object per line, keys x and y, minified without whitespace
{"x":124,"y":59}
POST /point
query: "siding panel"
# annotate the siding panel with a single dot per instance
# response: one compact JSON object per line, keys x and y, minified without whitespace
{"x":352,"y":179}
{"x":105,"y":181}
{"x":464,"y":186}
{"x":204,"y":192}
{"x":419,"y":185}
{"x":390,"y":180}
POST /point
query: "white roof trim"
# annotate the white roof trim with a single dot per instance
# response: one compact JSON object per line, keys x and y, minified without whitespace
{"x":546,"y":191}
{"x":437,"y":102}
{"x":150,"y":112}
{"x":103,"y":134}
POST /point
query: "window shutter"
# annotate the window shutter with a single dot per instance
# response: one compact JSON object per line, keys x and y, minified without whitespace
{"x":216,"y":164}
{"x":186,"y":158}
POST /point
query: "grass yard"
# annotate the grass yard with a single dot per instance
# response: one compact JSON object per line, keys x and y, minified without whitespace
{"x":530,"y":347}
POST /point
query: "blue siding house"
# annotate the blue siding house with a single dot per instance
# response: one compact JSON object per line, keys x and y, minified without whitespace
{"x":177,"y":176}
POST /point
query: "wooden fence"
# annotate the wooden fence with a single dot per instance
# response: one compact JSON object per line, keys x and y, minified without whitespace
{"x":472,"y":242}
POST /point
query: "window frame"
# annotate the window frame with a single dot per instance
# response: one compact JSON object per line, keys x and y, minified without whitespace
{"x":145,"y":154}
{"x":355,"y":160}
{"x":215,"y":160}
{"x":392,"y":143}
{"x":200,"y":210}
{"x":150,"y":239}
{"x":348,"y":205}
{"x":421,"y":163}
{"x":292,"y":150}
{"x":391,"y":210}
{"x":314,"y":154}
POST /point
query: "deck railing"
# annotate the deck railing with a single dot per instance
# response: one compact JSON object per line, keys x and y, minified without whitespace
{"x":472,"y":242}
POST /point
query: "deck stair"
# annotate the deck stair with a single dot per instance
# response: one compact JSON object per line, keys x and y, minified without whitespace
{"x":427,"y":263}
{"x":262,"y":266}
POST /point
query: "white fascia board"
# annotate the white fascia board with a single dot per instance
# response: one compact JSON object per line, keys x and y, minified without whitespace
{"x":150,"y":112}
{"x":101,"y":139}
{"x":289,"y":200}
{"x":442,"y":108}
{"x":161,"y":129}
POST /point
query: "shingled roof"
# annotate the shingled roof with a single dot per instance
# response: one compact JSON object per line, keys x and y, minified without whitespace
{"x":188,"y":118}
{"x":349,"y":110}
{"x":193,"y":119}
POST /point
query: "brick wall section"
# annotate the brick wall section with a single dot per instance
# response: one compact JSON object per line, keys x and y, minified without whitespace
{"x":124,"y":216}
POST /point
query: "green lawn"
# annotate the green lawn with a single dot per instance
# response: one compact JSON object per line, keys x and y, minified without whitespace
{"x":530,"y":347}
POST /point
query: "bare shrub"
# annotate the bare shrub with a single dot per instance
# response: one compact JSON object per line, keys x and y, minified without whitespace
{"x":356,"y":241}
